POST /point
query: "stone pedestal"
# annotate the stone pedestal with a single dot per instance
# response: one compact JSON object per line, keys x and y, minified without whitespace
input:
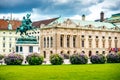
{"x":27,"y":45}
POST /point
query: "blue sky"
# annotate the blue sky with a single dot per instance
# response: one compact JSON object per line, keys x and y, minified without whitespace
{"x":44,"y":9}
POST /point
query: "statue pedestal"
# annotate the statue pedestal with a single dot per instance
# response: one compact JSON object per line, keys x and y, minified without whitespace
{"x":27,"y":45}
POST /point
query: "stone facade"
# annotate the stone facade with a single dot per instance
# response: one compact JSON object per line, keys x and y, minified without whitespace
{"x":69,"y":38}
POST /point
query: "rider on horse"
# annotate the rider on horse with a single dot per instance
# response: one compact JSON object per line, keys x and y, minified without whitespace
{"x":26,"y":25}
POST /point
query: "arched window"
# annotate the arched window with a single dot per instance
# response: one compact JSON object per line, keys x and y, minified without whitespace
{"x":47,"y":42}
{"x":68,"y":41}
{"x":44,"y":42}
{"x":51,"y":42}
{"x":61,"y":41}
{"x":74,"y":43}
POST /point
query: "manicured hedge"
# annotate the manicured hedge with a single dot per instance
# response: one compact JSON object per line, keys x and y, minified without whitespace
{"x":56,"y":59}
{"x":1,"y":56}
{"x":78,"y":59}
{"x":34,"y":59}
{"x":98,"y":59}
{"x":13,"y":59}
{"x":113,"y":58}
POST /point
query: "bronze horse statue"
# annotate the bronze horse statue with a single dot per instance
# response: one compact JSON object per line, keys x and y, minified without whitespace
{"x":25,"y":26}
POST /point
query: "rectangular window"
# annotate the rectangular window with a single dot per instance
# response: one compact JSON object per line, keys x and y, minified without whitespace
{"x":3,"y":32}
{"x":47,"y":42}
{"x":3,"y":44}
{"x":10,"y":39}
{"x":74,"y":39}
{"x":3,"y":38}
{"x":82,"y":43}
{"x":61,"y":41}
{"x":38,"y":38}
{"x":51,"y":42}
{"x":9,"y":45}
{"x":44,"y":42}
{"x":21,"y":49}
{"x":68,"y":41}
{"x":17,"y":48}
{"x":9,"y":50}
{"x":3,"y":50}
{"x":16,"y":38}
{"x":30,"y":48}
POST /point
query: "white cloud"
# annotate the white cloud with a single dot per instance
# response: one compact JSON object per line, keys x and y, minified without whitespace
{"x":35,"y":15}
{"x":78,"y":17}
{"x":96,"y":9}
{"x":60,"y":1}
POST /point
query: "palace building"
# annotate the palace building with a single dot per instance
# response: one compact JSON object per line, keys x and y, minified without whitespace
{"x":68,"y":36}
{"x":75,"y":36}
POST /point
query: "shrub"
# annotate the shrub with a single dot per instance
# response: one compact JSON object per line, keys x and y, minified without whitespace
{"x":113,"y":58}
{"x":98,"y":59}
{"x":13,"y":59}
{"x":34,"y":59}
{"x":1,"y":56}
{"x":78,"y":59}
{"x":56,"y":59}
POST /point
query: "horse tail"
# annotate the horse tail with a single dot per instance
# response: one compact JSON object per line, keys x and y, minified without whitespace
{"x":17,"y":30}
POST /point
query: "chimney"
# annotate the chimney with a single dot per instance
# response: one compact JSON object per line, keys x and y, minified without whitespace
{"x":102,"y":16}
{"x":83,"y":17}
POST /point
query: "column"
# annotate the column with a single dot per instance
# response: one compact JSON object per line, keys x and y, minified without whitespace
{"x":77,"y":42}
{"x":112,"y":42}
{"x":71,"y":41}
{"x":106,"y":42}
{"x":65,"y":41}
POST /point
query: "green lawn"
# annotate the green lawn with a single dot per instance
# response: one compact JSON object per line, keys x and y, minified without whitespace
{"x":61,"y":72}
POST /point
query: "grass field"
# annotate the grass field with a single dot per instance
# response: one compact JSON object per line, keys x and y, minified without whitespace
{"x":61,"y":72}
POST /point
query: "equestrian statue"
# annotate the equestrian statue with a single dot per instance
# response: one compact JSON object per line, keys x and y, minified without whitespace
{"x":25,"y":26}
